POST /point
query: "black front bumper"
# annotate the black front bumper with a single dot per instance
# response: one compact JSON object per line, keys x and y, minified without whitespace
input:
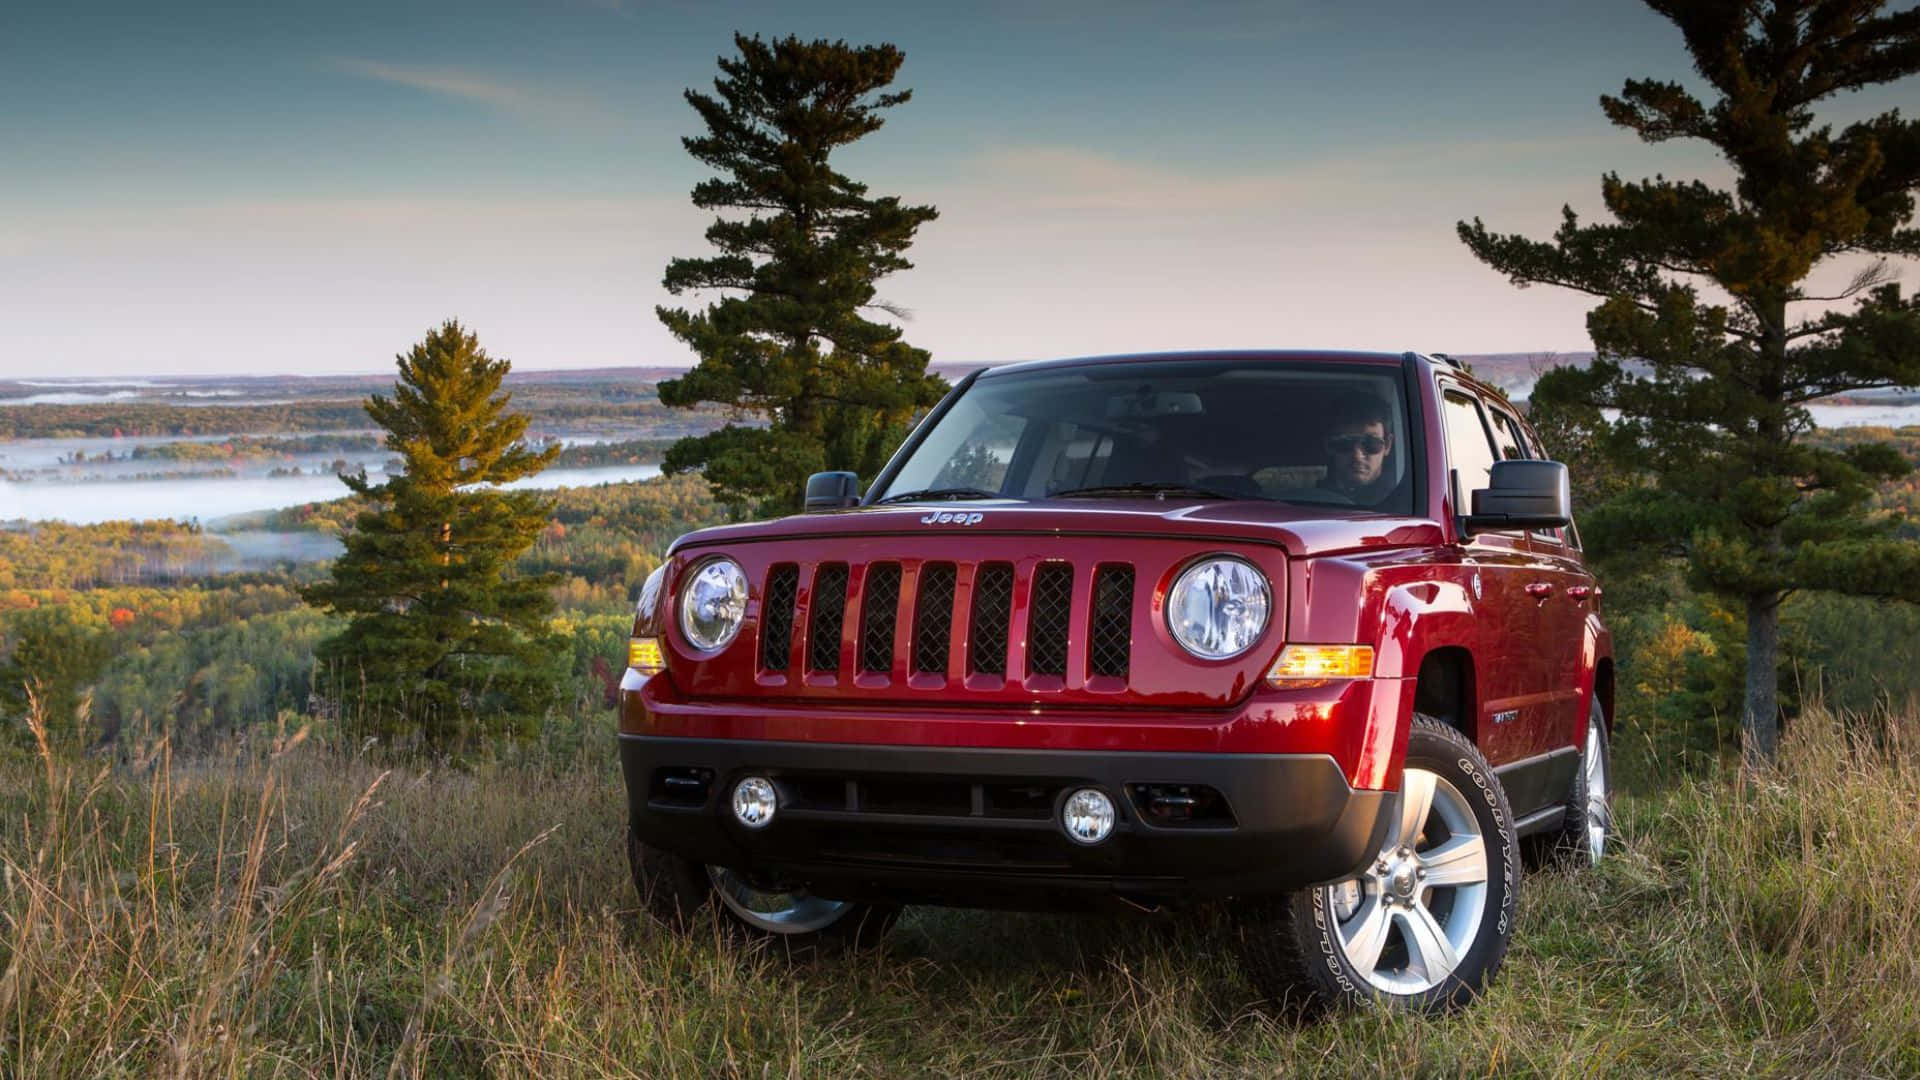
{"x":979,"y":827}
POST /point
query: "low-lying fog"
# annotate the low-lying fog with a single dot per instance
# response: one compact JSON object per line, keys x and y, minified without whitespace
{"x":205,"y":500}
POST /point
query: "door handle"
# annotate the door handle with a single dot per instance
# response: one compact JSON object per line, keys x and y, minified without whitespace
{"x":1579,"y":593}
{"x":1539,"y":590}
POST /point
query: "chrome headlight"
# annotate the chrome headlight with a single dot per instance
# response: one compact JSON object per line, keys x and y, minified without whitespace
{"x":1218,"y":608}
{"x":713,"y":601}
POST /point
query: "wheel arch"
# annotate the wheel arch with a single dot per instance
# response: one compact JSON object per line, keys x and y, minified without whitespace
{"x":1444,"y":688}
{"x":1603,"y":691}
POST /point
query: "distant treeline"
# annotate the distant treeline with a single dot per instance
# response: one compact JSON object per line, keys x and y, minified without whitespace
{"x":280,"y":447}
{"x":599,"y":455}
{"x":1902,"y":496}
{"x":244,"y":447}
{"x":604,"y":408}
{"x":131,"y":419}
{"x":48,"y":475}
{"x":56,"y":555}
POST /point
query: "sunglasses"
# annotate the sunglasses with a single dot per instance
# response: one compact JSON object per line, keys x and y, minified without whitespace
{"x":1368,"y":444}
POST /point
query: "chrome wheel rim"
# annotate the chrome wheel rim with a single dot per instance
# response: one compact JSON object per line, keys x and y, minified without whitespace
{"x":1599,"y":808}
{"x":1407,"y":920}
{"x":795,"y":912}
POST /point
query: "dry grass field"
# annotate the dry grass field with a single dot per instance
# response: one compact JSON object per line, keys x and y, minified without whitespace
{"x":287,"y":910}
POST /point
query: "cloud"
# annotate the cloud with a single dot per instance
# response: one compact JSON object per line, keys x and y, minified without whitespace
{"x":1074,"y":179}
{"x":533,"y":103}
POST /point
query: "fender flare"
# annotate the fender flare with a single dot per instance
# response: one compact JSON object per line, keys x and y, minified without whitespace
{"x":1417,"y":618}
{"x":1596,"y":648}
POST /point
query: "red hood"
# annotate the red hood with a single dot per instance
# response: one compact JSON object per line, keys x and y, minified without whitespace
{"x":1303,"y":531}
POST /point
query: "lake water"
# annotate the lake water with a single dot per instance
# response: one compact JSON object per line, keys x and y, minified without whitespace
{"x":1865,"y":415}
{"x":207,"y":500}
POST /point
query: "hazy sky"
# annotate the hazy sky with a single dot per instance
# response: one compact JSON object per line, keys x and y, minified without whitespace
{"x":199,"y":187}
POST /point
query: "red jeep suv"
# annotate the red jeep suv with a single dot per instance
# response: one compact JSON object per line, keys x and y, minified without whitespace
{"x":1304,"y":633}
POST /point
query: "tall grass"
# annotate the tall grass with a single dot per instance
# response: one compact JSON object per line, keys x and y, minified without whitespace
{"x":282,"y":909}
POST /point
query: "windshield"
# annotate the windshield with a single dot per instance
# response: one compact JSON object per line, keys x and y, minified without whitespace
{"x":1327,"y":434}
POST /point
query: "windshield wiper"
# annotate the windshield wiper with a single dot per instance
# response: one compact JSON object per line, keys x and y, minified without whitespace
{"x":1147,"y":488}
{"x":929,"y":494}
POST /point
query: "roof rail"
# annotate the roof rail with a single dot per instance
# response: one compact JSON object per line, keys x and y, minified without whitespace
{"x":1448,"y":359}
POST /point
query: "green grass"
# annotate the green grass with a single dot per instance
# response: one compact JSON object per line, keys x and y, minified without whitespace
{"x":286,"y":910}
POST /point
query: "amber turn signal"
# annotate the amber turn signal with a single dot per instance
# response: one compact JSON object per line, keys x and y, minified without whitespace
{"x":1311,"y":665}
{"x":643,"y":655}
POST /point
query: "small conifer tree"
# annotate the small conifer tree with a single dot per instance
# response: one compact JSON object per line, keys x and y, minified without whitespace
{"x":446,"y":643}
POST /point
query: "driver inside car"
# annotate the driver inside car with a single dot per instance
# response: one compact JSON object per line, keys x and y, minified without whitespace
{"x":1359,"y":446}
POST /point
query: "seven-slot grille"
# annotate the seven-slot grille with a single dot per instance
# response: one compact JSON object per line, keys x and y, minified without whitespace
{"x":936,"y":606}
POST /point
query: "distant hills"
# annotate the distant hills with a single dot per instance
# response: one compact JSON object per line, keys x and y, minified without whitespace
{"x":1513,"y":372}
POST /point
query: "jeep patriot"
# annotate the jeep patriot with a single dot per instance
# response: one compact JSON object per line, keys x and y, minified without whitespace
{"x":1306,"y":636}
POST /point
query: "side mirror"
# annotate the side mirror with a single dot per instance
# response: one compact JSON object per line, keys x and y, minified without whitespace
{"x":1522,"y":495}
{"x":832,"y":491}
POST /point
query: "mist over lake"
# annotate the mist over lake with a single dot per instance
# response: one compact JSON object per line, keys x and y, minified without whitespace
{"x":205,"y":500}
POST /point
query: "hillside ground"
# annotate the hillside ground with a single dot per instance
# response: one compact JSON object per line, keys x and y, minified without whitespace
{"x":279,"y":908}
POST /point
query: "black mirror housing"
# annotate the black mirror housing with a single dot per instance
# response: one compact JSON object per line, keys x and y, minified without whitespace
{"x":832,"y":491}
{"x":1522,"y":494}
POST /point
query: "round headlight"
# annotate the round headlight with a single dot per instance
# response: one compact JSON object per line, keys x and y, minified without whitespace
{"x":1218,"y":608}
{"x":712,"y":603}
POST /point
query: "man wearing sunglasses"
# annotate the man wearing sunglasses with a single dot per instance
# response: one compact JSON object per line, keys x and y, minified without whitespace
{"x":1358,"y":443}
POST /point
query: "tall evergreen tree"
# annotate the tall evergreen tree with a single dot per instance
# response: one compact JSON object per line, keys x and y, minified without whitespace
{"x":800,"y":249}
{"x":1709,"y":289}
{"x":445,"y":641}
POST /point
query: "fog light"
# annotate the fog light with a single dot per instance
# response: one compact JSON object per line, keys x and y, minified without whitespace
{"x":754,"y":802}
{"x":1087,"y":815}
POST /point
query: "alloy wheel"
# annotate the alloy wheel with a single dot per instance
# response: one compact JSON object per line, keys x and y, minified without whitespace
{"x":1407,"y":920}
{"x":776,"y":912}
{"x":1599,"y":804}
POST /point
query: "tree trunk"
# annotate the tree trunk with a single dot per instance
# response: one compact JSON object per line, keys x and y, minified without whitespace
{"x":1760,"y":722}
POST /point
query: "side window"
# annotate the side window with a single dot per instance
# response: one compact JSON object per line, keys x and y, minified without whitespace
{"x":1506,"y":436}
{"x":1469,"y":448}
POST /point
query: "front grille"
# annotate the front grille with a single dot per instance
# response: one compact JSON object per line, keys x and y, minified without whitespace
{"x":829,"y":604}
{"x":1049,"y":617}
{"x":879,"y":610}
{"x":776,"y":617}
{"x":987,"y":629}
{"x":1076,"y":617}
{"x":1110,"y":641}
{"x":933,"y":618}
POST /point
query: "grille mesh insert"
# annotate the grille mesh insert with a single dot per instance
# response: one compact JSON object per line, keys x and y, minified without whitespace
{"x":829,"y":604}
{"x":879,"y":613}
{"x":1110,"y":644}
{"x":776,"y":617}
{"x":933,"y":618}
{"x":987,"y":627}
{"x":1048,"y":616}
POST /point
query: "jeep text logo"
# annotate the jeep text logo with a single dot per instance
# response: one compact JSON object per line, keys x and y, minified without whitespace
{"x":948,"y":517}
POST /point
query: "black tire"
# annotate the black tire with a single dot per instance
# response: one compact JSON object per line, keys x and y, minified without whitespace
{"x":1292,"y":945}
{"x":681,"y":893}
{"x":1574,"y":846}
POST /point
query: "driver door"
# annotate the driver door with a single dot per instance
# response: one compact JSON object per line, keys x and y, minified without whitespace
{"x":1504,"y":580}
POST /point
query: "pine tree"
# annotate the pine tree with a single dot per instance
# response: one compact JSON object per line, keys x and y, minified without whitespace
{"x":800,"y":249}
{"x":445,"y":642}
{"x":1708,"y":289}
